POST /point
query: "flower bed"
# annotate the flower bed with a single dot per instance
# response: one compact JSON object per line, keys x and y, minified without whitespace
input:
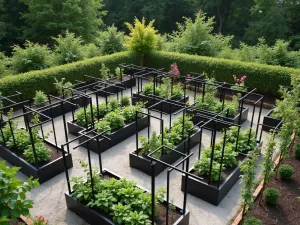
{"x":97,"y":213}
{"x":44,"y":172}
{"x":213,"y":190}
{"x":270,"y":122}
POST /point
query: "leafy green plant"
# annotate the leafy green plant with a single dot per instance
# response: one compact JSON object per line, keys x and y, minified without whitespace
{"x":20,"y":140}
{"x":297,"y":151}
{"x":104,"y":200}
{"x":115,"y":120}
{"x":252,"y":221}
{"x":103,"y":126}
{"x":104,"y":72}
{"x":271,"y":195}
{"x":178,"y":92}
{"x":203,"y":168}
{"x":248,"y":181}
{"x":40,"y":98}
{"x":285,"y":172}
{"x":13,"y":202}
{"x":42,"y":153}
{"x":59,"y":85}
{"x":125,"y":101}
{"x":84,"y":117}
{"x":103,"y":109}
{"x":119,"y":72}
{"x":113,"y":104}
{"x":129,"y":112}
{"x":137,"y":218}
{"x":148,"y":89}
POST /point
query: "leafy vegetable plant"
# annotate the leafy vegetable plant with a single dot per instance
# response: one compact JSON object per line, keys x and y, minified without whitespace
{"x":40,"y":98}
{"x":60,"y":85}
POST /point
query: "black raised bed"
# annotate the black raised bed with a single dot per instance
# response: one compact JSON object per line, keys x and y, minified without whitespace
{"x":210,"y":192}
{"x":144,"y":163}
{"x":74,"y":128}
{"x":127,"y":83}
{"x":55,"y":111}
{"x":3,"y":121}
{"x":166,"y":107}
{"x":270,"y":122}
{"x":116,"y":136}
{"x":99,"y":217}
{"x":220,"y":126}
{"x":43,"y":173}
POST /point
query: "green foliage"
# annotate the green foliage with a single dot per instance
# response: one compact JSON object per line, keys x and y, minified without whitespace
{"x":125,"y":101}
{"x":252,"y":221}
{"x":297,"y":151}
{"x":103,"y":126}
{"x":248,"y":179}
{"x":42,"y":153}
{"x":143,"y":38}
{"x":47,"y":18}
{"x":203,"y":168}
{"x":271,"y":195}
{"x":4,"y":62}
{"x":91,"y":50}
{"x":60,"y":85}
{"x":13,"y":202}
{"x":115,"y":120}
{"x":285,"y":172}
{"x":40,"y":98}
{"x":84,"y":117}
{"x":110,"y":41}
{"x":267,"y":79}
{"x":104,"y":72}
{"x":33,"y":81}
{"x":195,"y":37}
{"x":113,"y":104}
{"x":268,"y":164}
{"x":129,"y":112}
{"x":68,"y":48}
{"x":148,"y":89}
{"x":122,"y":199}
{"x":119,"y":72}
{"x":31,"y":57}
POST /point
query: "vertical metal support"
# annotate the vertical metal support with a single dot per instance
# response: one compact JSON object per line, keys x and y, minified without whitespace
{"x":168,"y":196}
{"x":66,"y":169}
{"x":91,"y":171}
{"x":65,"y":126}
{"x":99,"y":155}
{"x":260,"y":110}
{"x":200,"y":143}
{"x":212,"y":152}
{"x":153,"y":192}
{"x":222,"y":157}
{"x":33,"y":148}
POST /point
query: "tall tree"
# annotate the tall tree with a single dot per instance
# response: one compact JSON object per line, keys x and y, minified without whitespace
{"x":46,"y":18}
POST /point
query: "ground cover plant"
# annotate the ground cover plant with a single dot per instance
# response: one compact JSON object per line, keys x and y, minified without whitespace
{"x":171,"y":137}
{"x":17,"y":139}
{"x":13,"y":202}
{"x":165,"y":89}
{"x":231,"y":152}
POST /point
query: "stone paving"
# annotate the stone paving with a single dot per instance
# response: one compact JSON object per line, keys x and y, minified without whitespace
{"x":49,"y":198}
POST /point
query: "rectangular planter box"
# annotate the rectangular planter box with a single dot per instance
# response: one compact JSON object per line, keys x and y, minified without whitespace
{"x":166,"y":107}
{"x":99,"y":217}
{"x":116,"y":136}
{"x":43,"y":173}
{"x":144,"y":164}
{"x":220,"y":126}
{"x":211,"y":193}
{"x":74,"y":128}
{"x":126,"y":84}
{"x":270,"y":121}
{"x":58,"y":111}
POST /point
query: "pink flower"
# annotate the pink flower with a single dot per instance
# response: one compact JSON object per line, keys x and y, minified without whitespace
{"x":174,"y":70}
{"x":188,"y":75}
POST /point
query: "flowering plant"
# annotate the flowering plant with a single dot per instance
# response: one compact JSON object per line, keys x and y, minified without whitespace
{"x":240,"y":81}
{"x":174,"y":70}
{"x":188,"y":75}
{"x":40,"y":220}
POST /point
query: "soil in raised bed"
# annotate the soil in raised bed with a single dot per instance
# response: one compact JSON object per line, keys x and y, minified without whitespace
{"x":226,"y":173}
{"x":287,"y":210}
{"x":116,"y":80}
{"x":54,"y":154}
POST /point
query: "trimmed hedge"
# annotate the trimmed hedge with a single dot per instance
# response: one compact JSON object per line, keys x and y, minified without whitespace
{"x":28,"y":83}
{"x":267,"y":79}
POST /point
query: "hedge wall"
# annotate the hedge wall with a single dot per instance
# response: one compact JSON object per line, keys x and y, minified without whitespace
{"x":265,"y":78}
{"x":28,"y":83}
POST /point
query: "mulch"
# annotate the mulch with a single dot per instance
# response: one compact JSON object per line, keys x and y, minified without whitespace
{"x":287,"y":210}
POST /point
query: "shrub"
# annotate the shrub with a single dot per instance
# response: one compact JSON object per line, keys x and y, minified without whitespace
{"x":271,"y":196}
{"x":32,"y":57}
{"x":115,"y":120}
{"x":13,"y":202}
{"x":252,"y":221}
{"x":60,"y":85}
{"x":143,"y":38}
{"x":33,"y":81}
{"x":148,"y":89}
{"x":110,"y":41}
{"x":285,"y":172}
{"x":42,"y":153}
{"x":103,"y":126}
{"x":84,"y":117}
{"x":267,"y":79}
{"x":4,"y":62}
{"x":68,"y":48}
{"x":90,"y":51}
{"x":40,"y":98}
{"x":113,"y":104}
{"x":125,"y":101}
{"x":104,"y":72}
{"x":297,"y":151}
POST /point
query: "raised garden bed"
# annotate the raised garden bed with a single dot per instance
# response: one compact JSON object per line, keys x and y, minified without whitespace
{"x":144,"y":163}
{"x":166,"y":107}
{"x":116,"y":136}
{"x":96,"y":217}
{"x":45,"y":171}
{"x":57,"y":110}
{"x":270,"y":121}
{"x":220,"y":126}
{"x":3,"y":121}
{"x":127,"y":83}
{"x":211,"y":192}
